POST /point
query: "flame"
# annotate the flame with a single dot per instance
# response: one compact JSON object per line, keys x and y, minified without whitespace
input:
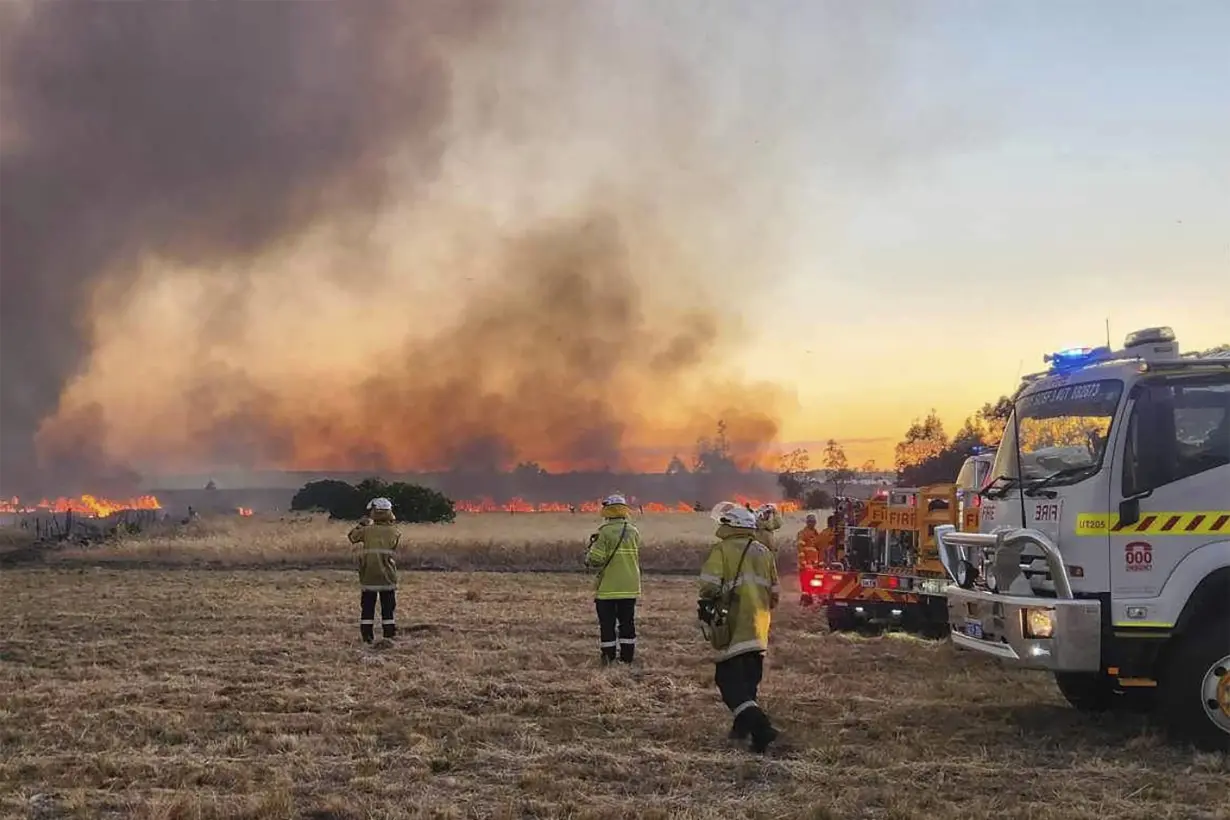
{"x":520,"y":505}
{"x":87,"y":505}
{"x":246,"y":512}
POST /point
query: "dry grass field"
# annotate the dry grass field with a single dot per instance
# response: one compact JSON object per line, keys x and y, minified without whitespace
{"x":213,"y":693}
{"x":146,"y":679}
{"x":476,"y":541}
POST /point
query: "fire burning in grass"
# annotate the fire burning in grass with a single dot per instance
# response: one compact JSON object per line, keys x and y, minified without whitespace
{"x":520,"y":505}
{"x":87,"y":505}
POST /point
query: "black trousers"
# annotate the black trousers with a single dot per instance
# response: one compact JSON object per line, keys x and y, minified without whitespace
{"x":617,"y":628}
{"x":367,"y":616}
{"x":738,"y":679}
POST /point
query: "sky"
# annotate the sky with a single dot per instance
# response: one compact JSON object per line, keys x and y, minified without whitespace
{"x":838,"y":216}
{"x":1092,"y":183}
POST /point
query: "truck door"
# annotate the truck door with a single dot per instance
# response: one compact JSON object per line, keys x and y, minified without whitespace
{"x":1173,"y":463}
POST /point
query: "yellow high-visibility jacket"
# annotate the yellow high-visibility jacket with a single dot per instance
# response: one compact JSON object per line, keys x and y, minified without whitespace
{"x":622,"y":576}
{"x":757,"y":590}
{"x":765,"y":530}
{"x":377,"y":567}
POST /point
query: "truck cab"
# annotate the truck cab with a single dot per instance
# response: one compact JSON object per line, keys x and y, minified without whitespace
{"x":1103,"y":550}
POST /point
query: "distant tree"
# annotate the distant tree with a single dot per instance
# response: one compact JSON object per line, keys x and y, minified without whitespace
{"x":412,"y":503}
{"x":869,"y":467}
{"x":323,"y":496}
{"x":676,"y":466}
{"x":211,"y":486}
{"x":817,"y":498}
{"x":837,"y":467}
{"x":941,"y":465}
{"x":529,"y":469}
{"x":994,"y":417}
{"x":793,"y":474}
{"x":713,"y":454}
{"x":923,"y":441}
{"x":1216,"y":349}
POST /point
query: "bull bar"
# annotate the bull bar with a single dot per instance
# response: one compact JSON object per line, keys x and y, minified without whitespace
{"x":995,"y":623}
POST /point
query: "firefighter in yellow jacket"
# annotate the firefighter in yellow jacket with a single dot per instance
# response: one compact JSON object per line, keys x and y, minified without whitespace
{"x":614,"y":550}
{"x":768,"y":521}
{"x":738,"y":591}
{"x":378,"y":537}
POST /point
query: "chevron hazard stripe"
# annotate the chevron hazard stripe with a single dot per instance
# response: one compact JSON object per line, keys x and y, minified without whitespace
{"x":1215,"y":522}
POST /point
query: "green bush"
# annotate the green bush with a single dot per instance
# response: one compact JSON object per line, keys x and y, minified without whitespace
{"x":411,"y":503}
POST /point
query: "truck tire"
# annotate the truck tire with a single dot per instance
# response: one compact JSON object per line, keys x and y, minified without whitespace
{"x":840,"y":620}
{"x":1087,"y":691}
{"x":1194,"y":703}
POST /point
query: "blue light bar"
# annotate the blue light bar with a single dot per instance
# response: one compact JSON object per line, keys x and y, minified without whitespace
{"x":1075,"y":358}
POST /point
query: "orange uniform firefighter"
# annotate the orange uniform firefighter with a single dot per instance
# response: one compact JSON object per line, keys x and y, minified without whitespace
{"x":808,"y":542}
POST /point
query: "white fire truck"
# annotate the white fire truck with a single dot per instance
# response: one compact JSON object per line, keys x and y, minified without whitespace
{"x":1103,"y":551}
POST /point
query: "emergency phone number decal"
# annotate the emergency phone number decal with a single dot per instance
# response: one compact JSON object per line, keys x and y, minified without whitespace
{"x":1138,"y":557}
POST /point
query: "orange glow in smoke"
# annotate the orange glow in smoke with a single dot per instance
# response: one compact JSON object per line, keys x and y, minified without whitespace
{"x":246,"y":512}
{"x":87,"y":505}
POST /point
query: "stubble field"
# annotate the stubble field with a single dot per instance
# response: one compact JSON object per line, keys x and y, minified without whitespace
{"x":190,"y":692}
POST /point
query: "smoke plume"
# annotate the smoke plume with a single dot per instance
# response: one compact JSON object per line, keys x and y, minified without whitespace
{"x":386,"y":235}
{"x":197,"y":132}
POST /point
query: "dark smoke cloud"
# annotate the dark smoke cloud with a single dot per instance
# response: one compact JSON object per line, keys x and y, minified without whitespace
{"x":560,"y":362}
{"x":197,"y":132}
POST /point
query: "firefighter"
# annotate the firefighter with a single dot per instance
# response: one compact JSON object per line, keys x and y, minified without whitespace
{"x":807,"y":542}
{"x":614,"y":550}
{"x":738,"y":591}
{"x":378,"y":536}
{"x":768,"y":521}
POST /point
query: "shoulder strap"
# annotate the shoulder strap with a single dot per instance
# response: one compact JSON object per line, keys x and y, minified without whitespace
{"x":730,"y":594}
{"x":618,"y":544}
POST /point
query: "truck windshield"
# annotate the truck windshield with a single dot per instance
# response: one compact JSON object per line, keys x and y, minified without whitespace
{"x":1063,"y":432}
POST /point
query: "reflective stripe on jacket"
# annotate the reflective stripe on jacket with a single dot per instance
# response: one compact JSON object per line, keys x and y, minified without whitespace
{"x":377,"y":567}
{"x":757,"y":590}
{"x":622,"y":576}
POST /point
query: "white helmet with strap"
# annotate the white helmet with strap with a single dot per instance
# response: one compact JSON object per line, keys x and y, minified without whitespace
{"x":613,"y":499}
{"x":731,"y":514}
{"x":380,"y":504}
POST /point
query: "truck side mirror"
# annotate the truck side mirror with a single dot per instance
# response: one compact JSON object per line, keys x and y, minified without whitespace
{"x":1129,"y":508}
{"x":1129,"y":511}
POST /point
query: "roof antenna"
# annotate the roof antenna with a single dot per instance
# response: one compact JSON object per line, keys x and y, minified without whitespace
{"x":1108,"y":331}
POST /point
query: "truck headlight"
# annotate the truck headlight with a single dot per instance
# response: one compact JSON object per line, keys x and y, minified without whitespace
{"x":1037,"y":623}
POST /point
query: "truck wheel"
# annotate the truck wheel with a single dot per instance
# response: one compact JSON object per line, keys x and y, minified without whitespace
{"x":1195,"y":690}
{"x":1087,"y":691}
{"x":840,"y":620}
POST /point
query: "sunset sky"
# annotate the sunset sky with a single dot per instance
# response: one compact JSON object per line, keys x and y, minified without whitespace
{"x":885,"y":207}
{"x":1085,"y":177}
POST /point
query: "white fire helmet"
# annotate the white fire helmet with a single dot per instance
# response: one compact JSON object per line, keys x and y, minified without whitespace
{"x":765,"y":510}
{"x":380,"y":504}
{"x":728,"y":512}
{"x":614,"y":499}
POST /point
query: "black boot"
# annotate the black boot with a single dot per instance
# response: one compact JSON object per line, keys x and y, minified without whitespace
{"x":390,"y":631}
{"x":368,"y":632}
{"x":741,"y":728}
{"x":763,"y":732}
{"x":627,"y":651}
{"x":608,"y":655}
